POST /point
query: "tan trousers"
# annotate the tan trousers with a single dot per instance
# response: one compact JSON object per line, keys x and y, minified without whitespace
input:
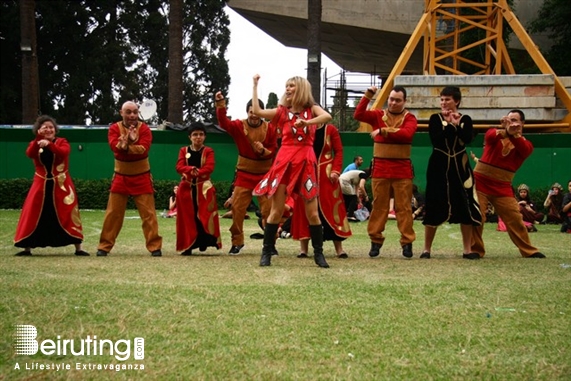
{"x":508,"y":209}
{"x":115,"y":214}
{"x":402,"y":191}
{"x":241,"y":199}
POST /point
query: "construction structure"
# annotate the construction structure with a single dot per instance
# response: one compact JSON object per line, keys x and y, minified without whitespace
{"x":443,"y":29}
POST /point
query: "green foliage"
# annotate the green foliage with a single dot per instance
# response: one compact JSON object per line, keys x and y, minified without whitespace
{"x":553,"y":17}
{"x":93,"y":194}
{"x":94,"y":55}
{"x":272,"y":101}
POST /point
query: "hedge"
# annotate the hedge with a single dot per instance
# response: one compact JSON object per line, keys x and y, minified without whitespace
{"x":93,"y":194}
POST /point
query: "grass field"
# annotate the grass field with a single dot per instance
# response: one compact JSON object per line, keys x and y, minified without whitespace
{"x":219,"y":317}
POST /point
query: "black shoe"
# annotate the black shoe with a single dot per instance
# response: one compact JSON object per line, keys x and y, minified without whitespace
{"x":343,"y":255}
{"x":157,"y":253}
{"x":187,"y":252}
{"x":375,"y":249}
{"x":302,"y":255}
{"x":101,"y":253}
{"x":471,"y":256}
{"x":407,"y":250}
{"x":274,"y":251}
{"x":23,"y":253}
{"x":425,"y":254}
{"x":266,"y":259}
{"x":82,"y":253}
{"x":537,"y":255}
{"x":235,"y":249}
{"x":257,"y":236}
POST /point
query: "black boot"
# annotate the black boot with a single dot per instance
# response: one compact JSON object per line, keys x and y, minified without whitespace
{"x":269,"y":244}
{"x":316,"y":232}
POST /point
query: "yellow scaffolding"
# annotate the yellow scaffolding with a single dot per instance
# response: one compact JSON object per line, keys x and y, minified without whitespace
{"x":444,"y":52}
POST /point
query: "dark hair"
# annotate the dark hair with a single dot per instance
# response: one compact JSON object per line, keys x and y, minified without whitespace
{"x":41,"y":120}
{"x":249,"y":104}
{"x":400,"y":89}
{"x":452,"y":91}
{"x":196,"y":126}
{"x":357,"y":157}
{"x":521,"y":114}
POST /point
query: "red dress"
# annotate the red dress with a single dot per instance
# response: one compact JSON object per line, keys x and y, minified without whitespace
{"x":295,"y":164}
{"x":197,"y":223}
{"x":50,"y":215}
{"x":329,"y":152}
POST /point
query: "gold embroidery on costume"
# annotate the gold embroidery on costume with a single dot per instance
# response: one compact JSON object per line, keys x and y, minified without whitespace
{"x":507,"y":146}
{"x":75,"y":217}
{"x":70,"y":198}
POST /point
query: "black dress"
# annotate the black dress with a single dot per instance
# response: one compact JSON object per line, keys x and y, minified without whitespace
{"x":450,"y":194}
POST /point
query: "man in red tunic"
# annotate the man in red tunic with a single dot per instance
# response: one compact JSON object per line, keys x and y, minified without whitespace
{"x":505,"y":150}
{"x":393,"y":130}
{"x":257,"y":146}
{"x":130,"y":141}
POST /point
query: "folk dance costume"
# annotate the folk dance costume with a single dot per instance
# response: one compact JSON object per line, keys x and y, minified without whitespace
{"x":503,"y":155}
{"x":296,"y":167}
{"x":392,"y":172}
{"x":250,"y":168}
{"x":132,"y":177}
{"x":197,"y":223}
{"x":450,"y":193}
{"x":329,"y":153}
{"x":50,"y":214}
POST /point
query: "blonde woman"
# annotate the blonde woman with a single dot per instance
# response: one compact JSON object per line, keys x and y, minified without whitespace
{"x":294,"y":171}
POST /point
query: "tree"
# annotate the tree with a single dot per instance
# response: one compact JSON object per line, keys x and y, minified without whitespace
{"x":553,"y":18}
{"x":175,"y":114}
{"x":94,"y":55}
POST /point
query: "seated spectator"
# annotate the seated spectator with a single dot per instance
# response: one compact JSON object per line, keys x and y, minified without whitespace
{"x":172,"y":204}
{"x":417,"y":203}
{"x":553,"y":202}
{"x":566,"y":210}
{"x":527,"y":206}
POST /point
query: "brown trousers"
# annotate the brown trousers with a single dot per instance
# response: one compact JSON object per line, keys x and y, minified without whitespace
{"x":115,"y":214}
{"x":401,"y":189}
{"x":241,"y":199}
{"x":507,"y":209}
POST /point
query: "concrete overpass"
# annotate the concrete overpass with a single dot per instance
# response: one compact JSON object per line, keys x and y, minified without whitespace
{"x":365,"y":36}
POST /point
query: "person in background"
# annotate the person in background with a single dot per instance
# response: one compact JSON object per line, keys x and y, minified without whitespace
{"x":130,"y":140}
{"x":566,"y":210}
{"x":329,"y":152}
{"x":393,"y":130}
{"x":356,"y":164}
{"x":505,"y":150}
{"x":172,"y":204}
{"x":353,"y":189}
{"x":50,"y":214}
{"x":450,"y":195}
{"x":527,"y":206}
{"x":553,"y":202}
{"x":197,"y":223}
{"x":417,"y":203}
{"x":294,"y":171}
{"x":257,"y":147}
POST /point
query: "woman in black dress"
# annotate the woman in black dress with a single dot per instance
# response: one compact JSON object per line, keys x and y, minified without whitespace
{"x":450,"y":194}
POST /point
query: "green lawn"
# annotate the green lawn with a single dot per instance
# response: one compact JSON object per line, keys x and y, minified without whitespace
{"x":217,"y":317}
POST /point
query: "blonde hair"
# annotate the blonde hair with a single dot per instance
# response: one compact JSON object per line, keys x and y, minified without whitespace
{"x":302,"y":98}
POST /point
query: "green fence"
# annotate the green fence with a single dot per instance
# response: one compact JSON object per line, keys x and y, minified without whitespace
{"x":91,"y":158}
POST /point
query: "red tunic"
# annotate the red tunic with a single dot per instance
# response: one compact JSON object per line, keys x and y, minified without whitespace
{"x":63,"y":197}
{"x":132,"y":172}
{"x":331,"y":203}
{"x":197,"y":223}
{"x":389,"y":168}
{"x":507,"y":154}
{"x":250,"y":171}
{"x":295,"y":164}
